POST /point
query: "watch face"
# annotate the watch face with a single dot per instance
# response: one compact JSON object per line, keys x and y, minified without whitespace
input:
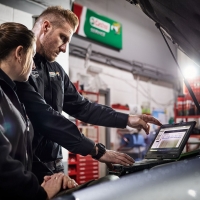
{"x":101,"y":151}
{"x":102,"y":145}
{"x":99,"y":145}
{"x":101,"y":148}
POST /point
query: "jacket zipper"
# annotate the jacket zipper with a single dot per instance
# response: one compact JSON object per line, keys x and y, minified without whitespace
{"x":26,"y":134}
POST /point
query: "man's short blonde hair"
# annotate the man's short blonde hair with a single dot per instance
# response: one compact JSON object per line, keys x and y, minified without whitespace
{"x":57,"y":15}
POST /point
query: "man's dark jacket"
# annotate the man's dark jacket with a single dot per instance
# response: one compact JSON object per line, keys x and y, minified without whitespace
{"x":48,"y":93}
{"x":16,"y":133}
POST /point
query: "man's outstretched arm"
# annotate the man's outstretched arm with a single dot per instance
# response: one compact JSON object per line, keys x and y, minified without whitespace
{"x":81,"y":108}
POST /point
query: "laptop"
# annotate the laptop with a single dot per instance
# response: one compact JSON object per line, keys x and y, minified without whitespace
{"x":166,"y":147}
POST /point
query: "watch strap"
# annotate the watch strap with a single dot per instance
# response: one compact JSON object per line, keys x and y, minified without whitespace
{"x":101,"y":151}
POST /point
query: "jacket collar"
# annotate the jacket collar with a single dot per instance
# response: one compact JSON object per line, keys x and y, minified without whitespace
{"x":38,"y":59}
{"x":6,"y":78}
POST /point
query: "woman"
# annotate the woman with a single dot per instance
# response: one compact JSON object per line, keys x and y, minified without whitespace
{"x":17,"y":49}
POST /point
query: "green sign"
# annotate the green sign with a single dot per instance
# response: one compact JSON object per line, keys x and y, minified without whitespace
{"x":103,"y":29}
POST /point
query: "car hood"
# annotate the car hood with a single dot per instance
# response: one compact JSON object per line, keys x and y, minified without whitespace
{"x":180,"y":19}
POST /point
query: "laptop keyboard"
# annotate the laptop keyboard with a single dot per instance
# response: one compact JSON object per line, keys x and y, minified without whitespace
{"x":137,"y":166}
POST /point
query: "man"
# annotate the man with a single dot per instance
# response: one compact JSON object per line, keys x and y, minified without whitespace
{"x":53,"y":30}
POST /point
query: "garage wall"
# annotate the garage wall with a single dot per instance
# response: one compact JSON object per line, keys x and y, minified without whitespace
{"x":8,"y":14}
{"x":34,"y":7}
{"x":142,"y":41}
{"x":125,"y":88}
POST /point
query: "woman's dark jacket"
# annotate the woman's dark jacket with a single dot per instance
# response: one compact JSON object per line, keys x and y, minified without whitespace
{"x":16,"y":133}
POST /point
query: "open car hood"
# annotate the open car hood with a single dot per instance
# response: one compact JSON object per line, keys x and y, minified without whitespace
{"x":180,"y":19}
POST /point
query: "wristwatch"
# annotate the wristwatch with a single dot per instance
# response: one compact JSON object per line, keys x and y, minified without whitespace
{"x":101,"y":151}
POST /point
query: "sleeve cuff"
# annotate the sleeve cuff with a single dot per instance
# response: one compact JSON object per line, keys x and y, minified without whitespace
{"x":41,"y":194}
{"x":86,"y":146}
{"x":122,"y":120}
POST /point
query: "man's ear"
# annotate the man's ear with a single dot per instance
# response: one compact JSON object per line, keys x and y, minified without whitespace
{"x":19,"y":53}
{"x":46,"y":26}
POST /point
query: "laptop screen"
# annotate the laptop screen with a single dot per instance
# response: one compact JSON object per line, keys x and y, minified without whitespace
{"x":169,"y":137}
{"x":170,"y":140}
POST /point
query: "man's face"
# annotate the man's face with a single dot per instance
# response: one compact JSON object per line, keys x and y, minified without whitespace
{"x":55,"y":41}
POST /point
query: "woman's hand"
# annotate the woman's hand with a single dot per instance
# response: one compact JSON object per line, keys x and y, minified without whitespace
{"x":53,"y":184}
{"x":68,"y":182}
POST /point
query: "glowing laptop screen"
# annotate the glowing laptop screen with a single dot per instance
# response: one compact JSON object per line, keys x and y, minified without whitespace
{"x":169,"y":137}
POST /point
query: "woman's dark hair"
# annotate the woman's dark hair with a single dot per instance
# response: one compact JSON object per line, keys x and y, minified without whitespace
{"x":13,"y":35}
